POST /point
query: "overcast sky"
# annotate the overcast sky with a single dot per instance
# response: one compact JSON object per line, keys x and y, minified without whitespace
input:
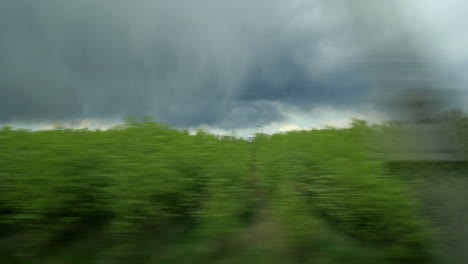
{"x":224,"y":64}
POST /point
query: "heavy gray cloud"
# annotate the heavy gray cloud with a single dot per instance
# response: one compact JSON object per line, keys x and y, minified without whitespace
{"x":227,"y":63}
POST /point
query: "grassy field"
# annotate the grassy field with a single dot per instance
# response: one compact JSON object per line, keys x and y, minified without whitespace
{"x":145,"y":193}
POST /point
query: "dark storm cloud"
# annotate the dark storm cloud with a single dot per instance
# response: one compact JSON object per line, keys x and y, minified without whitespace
{"x":221,"y":63}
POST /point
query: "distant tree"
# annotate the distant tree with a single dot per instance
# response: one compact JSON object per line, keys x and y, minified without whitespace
{"x":454,"y":115}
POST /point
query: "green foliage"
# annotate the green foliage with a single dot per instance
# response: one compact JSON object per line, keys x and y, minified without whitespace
{"x":341,"y":187}
{"x":57,"y":184}
{"x":145,"y":193}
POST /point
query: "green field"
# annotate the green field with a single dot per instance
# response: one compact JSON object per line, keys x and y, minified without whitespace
{"x":145,"y":193}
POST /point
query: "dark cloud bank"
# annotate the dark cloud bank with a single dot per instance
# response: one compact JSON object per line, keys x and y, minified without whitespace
{"x":188,"y":63}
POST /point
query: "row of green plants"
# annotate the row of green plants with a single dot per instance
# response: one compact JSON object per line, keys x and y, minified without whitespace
{"x":145,"y":193}
{"x":59,"y":185}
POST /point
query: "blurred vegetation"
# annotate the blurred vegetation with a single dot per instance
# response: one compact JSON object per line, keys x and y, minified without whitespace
{"x":145,"y":193}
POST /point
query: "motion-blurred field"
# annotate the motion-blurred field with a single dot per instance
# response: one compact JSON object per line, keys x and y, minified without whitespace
{"x":145,"y":193}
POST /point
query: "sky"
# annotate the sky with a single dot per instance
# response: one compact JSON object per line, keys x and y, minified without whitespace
{"x":223,"y":65}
